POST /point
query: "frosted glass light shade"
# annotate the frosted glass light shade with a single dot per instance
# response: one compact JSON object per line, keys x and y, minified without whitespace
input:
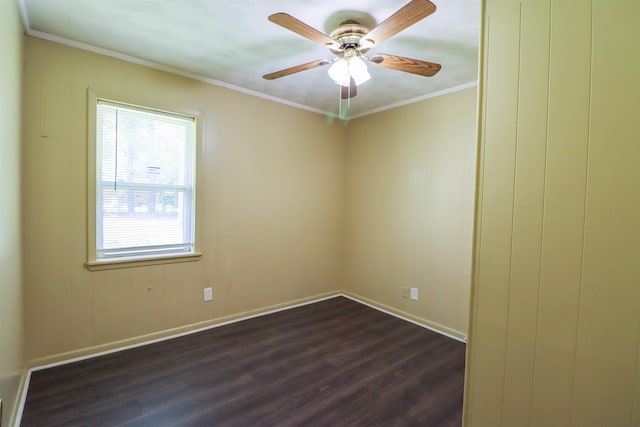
{"x":339,"y":72}
{"x":358,"y":70}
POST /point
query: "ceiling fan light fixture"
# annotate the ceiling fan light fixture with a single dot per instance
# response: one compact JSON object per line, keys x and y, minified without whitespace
{"x":351,"y":40}
{"x":345,"y":68}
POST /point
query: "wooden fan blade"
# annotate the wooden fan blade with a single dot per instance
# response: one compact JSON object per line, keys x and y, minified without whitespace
{"x":290,"y":23}
{"x":408,"y":65}
{"x":296,"y":69}
{"x":406,"y":16}
{"x":349,"y":91}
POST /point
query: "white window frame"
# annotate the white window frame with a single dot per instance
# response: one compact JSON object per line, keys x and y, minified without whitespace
{"x":102,"y":263}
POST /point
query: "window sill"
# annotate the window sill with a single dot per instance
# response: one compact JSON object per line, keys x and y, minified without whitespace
{"x":140,"y":262}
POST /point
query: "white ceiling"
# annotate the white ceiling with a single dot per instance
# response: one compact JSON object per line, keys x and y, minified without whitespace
{"x":231,"y":43}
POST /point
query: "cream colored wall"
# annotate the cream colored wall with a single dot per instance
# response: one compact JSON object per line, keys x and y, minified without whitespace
{"x":11,"y":338}
{"x":555,"y":323}
{"x":272,"y":198}
{"x":409,"y":208}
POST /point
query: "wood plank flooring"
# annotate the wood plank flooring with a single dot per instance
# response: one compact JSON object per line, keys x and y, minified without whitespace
{"x":332,"y":363}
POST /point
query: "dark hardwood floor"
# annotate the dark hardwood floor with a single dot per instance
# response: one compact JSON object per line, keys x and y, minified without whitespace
{"x":332,"y":363}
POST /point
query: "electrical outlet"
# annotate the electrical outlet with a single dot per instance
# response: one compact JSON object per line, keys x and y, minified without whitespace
{"x":208,"y":294}
{"x":414,"y":294}
{"x":405,"y":292}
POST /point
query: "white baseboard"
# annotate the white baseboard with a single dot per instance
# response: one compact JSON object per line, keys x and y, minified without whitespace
{"x":432,"y":326}
{"x":22,"y":393}
{"x":114,"y":347}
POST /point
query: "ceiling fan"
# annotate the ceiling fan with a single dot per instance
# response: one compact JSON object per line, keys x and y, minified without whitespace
{"x":351,"y":40}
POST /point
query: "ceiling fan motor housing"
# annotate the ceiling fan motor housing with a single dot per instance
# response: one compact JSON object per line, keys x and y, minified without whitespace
{"x":348,"y":35}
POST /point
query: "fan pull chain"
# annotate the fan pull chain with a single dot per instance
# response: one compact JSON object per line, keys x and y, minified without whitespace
{"x":343,"y":110}
{"x":339,"y":102}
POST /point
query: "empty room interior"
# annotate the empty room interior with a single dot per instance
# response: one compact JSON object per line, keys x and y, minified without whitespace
{"x":433,"y":246}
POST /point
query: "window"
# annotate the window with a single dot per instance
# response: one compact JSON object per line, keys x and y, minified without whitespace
{"x":144,"y":184}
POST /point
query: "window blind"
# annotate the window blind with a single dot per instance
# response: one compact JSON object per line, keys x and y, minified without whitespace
{"x":144,"y":182}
